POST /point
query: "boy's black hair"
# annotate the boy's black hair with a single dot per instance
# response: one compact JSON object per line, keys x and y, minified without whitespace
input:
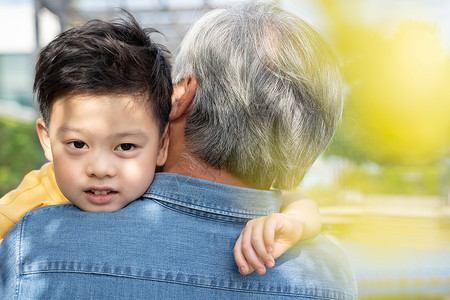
{"x":116,"y":57}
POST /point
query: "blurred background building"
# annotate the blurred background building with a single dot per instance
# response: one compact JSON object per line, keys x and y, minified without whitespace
{"x":383,"y":184}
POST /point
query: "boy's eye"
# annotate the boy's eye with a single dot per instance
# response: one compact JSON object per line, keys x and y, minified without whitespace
{"x":125,"y":147}
{"x":77,"y":144}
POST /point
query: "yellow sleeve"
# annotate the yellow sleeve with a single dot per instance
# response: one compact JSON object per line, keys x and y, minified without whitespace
{"x":38,"y":188}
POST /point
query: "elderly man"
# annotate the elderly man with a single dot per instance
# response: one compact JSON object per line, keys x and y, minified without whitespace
{"x":257,"y":98}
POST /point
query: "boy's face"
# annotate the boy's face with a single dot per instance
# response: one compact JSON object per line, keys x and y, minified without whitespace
{"x":104,"y":149}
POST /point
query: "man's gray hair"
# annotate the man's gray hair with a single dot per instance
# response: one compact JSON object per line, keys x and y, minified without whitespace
{"x":269,"y":95}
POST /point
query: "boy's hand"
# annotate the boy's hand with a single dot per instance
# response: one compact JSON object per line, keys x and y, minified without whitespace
{"x":264,"y":239}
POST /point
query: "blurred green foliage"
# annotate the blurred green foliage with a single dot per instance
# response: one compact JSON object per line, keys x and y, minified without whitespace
{"x":20,"y":152}
{"x":370,"y":176}
{"x":392,"y":180}
{"x":359,"y":179}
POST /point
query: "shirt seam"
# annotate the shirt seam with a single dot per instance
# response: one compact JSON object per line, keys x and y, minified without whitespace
{"x":341,"y":294}
{"x":19,"y":254}
{"x":6,"y":217}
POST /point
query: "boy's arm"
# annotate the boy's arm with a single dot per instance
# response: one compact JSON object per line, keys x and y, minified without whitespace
{"x":267,"y":238}
{"x":38,"y":188}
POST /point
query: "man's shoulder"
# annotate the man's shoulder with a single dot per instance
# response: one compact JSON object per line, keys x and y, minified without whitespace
{"x":318,"y":263}
{"x":325,"y":254}
{"x":40,"y":224}
{"x":52,"y":209}
{"x":48,"y":215}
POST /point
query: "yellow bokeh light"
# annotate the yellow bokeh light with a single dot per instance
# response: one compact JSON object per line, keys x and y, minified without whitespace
{"x":399,"y":97}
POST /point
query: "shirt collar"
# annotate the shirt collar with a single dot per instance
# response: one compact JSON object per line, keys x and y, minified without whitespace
{"x":212,"y":197}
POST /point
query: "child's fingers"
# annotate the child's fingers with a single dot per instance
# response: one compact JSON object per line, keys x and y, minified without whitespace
{"x":270,"y":227}
{"x":239,"y":257}
{"x":248,"y":250}
{"x":280,"y":233}
{"x":258,"y":242}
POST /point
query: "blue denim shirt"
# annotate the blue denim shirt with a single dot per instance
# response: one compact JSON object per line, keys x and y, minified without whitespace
{"x":174,"y":243}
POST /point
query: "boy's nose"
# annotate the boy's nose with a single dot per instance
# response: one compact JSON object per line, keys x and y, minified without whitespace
{"x":100,"y":167}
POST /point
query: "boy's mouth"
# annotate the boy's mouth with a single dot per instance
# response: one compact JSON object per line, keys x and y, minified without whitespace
{"x":100,"y":190}
{"x":100,"y":195}
{"x":97,"y":192}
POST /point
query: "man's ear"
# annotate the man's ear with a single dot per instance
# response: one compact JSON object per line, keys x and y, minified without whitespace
{"x":183,"y":94}
{"x":44,"y":138}
{"x":163,"y":148}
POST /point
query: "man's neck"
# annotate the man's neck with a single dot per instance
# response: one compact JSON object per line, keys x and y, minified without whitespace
{"x":181,"y":161}
{"x":188,"y":164}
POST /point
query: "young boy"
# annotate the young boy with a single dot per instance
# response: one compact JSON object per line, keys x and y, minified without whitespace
{"x":104,"y":91}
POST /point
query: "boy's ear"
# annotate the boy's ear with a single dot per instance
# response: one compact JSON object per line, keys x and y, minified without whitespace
{"x":44,"y":138}
{"x":163,"y":147}
{"x":183,"y":94}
